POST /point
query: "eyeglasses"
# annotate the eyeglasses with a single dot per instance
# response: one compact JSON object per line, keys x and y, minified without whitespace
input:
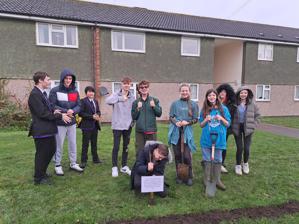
{"x":143,"y":87}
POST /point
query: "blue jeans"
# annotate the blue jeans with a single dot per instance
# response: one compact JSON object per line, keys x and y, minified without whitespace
{"x":206,"y":155}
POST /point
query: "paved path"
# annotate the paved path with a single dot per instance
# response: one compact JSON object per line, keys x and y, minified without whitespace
{"x":279,"y":130}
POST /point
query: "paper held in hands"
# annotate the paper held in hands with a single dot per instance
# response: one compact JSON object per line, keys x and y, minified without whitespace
{"x":152,"y":184}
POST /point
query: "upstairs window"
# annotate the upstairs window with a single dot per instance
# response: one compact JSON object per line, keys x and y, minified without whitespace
{"x":263,"y":92}
{"x":296,"y":96}
{"x":57,"y":35}
{"x":297,"y":54}
{"x":265,"y":52}
{"x":190,"y":46}
{"x":128,"y":41}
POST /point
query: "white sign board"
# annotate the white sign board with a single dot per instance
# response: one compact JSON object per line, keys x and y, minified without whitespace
{"x":152,"y":184}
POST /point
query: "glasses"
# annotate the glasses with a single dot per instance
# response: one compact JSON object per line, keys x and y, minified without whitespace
{"x":143,"y":87}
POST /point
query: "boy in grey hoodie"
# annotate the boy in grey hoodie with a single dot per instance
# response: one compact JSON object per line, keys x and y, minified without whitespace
{"x":121,"y":101}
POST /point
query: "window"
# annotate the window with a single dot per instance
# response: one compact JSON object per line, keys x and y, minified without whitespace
{"x":57,"y":35}
{"x":296,"y":97}
{"x":194,"y":92}
{"x":117,"y":86}
{"x":263,"y":92}
{"x":265,"y":52}
{"x":297,"y":54}
{"x":190,"y":46}
{"x":128,"y":41}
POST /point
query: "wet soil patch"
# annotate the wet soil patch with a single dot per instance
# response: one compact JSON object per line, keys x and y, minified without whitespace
{"x":213,"y":217}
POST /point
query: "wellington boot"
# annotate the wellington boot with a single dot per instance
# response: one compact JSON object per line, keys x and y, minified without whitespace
{"x":217,"y":174}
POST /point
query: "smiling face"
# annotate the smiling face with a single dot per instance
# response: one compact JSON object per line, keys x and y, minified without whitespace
{"x":68,"y":80}
{"x":222,"y":95}
{"x":212,"y":98}
{"x":185,"y":92}
{"x":143,"y":89}
{"x":244,"y":94}
{"x":125,"y":86}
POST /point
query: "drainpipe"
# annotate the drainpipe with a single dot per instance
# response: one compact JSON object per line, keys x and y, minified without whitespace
{"x":96,"y":60}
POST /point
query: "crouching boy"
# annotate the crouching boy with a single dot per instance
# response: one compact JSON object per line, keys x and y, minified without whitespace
{"x":150,"y":161}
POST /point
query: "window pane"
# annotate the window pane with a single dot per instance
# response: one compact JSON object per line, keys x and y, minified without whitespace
{"x":261,"y":51}
{"x":297,"y":92}
{"x":57,"y":38}
{"x":43,"y":33}
{"x":134,"y":41}
{"x":259,"y":94}
{"x":267,"y":94}
{"x":57,"y":27}
{"x":71,"y":35}
{"x":117,"y":86}
{"x":193,"y":91}
{"x":117,"y":40}
{"x":190,"y":46}
{"x":269,"y":52}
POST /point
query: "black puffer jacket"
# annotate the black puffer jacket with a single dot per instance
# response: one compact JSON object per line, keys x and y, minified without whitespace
{"x":230,"y":101}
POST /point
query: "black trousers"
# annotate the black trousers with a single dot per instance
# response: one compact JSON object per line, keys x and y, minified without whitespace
{"x":92,"y":137}
{"x":116,"y":143}
{"x":187,"y":156}
{"x":140,"y":140}
{"x":224,"y":151}
{"x":45,"y":149}
{"x":243,"y":145}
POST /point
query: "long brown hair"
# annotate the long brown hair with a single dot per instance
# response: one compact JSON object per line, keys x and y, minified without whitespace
{"x":207,"y":106}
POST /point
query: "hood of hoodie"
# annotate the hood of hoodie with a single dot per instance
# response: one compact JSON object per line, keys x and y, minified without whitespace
{"x":250,"y":93}
{"x":67,"y":72}
{"x":231,"y":96}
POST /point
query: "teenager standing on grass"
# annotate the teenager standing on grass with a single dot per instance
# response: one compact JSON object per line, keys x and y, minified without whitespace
{"x":227,"y":97}
{"x":214,"y":118}
{"x":43,"y":126}
{"x":121,"y":101}
{"x":245,"y":121}
{"x":90,"y":125}
{"x":145,"y":110}
{"x":183,"y":114}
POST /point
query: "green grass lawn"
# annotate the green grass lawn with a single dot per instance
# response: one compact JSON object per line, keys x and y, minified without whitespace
{"x":292,"y":122}
{"x":96,"y":197}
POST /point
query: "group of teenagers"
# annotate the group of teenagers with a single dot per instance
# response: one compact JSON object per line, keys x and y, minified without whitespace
{"x":223,"y":112}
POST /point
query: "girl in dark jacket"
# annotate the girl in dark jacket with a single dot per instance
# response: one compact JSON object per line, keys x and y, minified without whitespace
{"x":227,"y":97}
{"x":246,"y":118}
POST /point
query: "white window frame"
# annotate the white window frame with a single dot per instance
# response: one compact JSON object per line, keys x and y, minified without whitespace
{"x":50,"y":44}
{"x":265,"y":88}
{"x":197,"y":91}
{"x":188,"y":54}
{"x":297,"y":54}
{"x":132,"y":87}
{"x":262,"y":52}
{"x":296,"y":99}
{"x":123,"y":49}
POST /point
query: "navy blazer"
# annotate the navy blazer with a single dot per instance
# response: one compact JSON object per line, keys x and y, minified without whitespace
{"x":86,"y":112}
{"x":43,"y":119}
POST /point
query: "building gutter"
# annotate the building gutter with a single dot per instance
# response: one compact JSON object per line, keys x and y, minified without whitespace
{"x":191,"y":34}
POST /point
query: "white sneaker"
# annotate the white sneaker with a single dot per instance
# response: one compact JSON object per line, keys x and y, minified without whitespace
{"x":246,"y":168}
{"x":76,"y":167}
{"x":223,"y":169}
{"x":238,"y":169}
{"x":114,"y":171}
{"x":58,"y":171}
{"x":126,"y":170}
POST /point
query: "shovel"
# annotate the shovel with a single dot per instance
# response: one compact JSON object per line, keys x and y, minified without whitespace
{"x":151,"y":199}
{"x":183,"y":169}
{"x":211,"y":183}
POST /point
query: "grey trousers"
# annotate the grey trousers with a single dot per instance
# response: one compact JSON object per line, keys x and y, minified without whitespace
{"x":70,"y":132}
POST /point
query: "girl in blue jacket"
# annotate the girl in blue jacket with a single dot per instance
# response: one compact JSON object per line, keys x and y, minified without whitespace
{"x":214,"y":118}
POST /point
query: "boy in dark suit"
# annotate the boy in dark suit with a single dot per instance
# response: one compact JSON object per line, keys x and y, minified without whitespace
{"x":43,"y":126}
{"x":90,"y":124}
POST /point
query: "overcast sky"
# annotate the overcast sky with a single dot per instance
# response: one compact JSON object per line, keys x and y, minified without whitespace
{"x":274,"y":12}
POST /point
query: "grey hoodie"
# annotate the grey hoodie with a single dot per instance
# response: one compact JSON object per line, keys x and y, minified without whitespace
{"x":121,"y":115}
